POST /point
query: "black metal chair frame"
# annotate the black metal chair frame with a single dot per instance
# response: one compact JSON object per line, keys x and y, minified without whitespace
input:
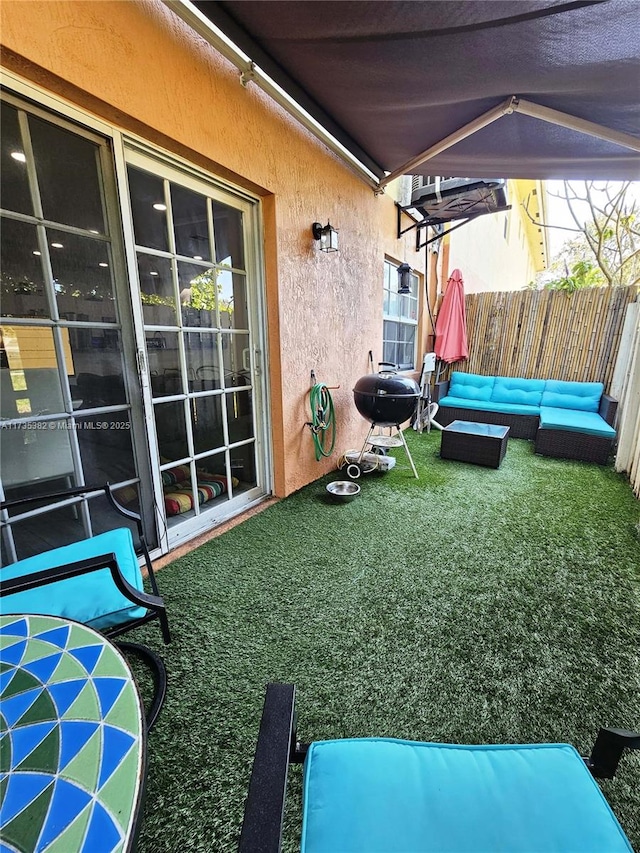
{"x":153,"y":603}
{"x":278,"y":746}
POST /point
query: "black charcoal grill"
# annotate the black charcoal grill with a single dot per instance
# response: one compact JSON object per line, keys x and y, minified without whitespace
{"x":385,"y":399}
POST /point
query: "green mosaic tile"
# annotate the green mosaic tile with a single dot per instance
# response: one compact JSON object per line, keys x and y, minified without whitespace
{"x":125,"y":710}
{"x":7,"y":640}
{"x":5,"y":755}
{"x":3,"y":787}
{"x":68,"y":669}
{"x":85,"y":706}
{"x":84,"y":768}
{"x":72,"y":837}
{"x":21,"y":682}
{"x":23,"y":831}
{"x":105,"y":666}
{"x":42,"y":710}
{"x":38,"y":649}
{"x":44,"y":757}
{"x":38,"y":624}
{"x":118,"y":792}
{"x":77,"y":637}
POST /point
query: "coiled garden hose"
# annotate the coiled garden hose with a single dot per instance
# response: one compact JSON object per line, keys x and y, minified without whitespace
{"x":323,"y":423}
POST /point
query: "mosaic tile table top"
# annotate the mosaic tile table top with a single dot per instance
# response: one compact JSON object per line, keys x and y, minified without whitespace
{"x":71,"y":740}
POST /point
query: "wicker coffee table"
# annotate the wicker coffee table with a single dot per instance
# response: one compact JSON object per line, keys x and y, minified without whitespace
{"x":481,"y":444}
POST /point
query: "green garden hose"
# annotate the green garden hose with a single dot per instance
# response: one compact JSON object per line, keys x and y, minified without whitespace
{"x":323,"y":423}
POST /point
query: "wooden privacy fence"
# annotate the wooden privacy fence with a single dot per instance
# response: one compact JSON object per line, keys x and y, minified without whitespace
{"x":546,"y":334}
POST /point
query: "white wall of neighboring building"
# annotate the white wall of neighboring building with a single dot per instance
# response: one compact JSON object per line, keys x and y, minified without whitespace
{"x":502,"y":251}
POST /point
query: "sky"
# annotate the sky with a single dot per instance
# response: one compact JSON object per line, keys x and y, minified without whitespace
{"x":558,"y":214}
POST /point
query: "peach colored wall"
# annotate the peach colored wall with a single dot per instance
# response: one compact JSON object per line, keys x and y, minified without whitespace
{"x":138,"y":66}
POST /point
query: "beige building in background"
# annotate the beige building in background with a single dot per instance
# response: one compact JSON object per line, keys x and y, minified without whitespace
{"x":504,"y":251}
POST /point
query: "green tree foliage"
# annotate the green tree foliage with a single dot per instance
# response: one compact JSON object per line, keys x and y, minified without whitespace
{"x":605,"y":250}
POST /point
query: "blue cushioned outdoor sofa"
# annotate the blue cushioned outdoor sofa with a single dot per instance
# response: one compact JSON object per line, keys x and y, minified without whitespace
{"x":570,"y":420}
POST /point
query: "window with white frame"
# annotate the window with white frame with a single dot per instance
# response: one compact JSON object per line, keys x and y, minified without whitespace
{"x":400,"y":325}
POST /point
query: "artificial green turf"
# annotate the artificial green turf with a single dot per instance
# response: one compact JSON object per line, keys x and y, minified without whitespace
{"x":471,"y":605}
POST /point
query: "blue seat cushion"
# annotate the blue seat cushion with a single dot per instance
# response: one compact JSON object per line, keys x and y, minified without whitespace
{"x":92,"y":598}
{"x":507,"y":389}
{"x":470,"y":386}
{"x":589,"y":423}
{"x":489,"y":406}
{"x":394,"y":796}
{"x":583,"y":396}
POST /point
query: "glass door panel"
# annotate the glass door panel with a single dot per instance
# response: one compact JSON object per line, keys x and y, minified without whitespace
{"x":200,"y":356}
{"x":23,"y":291}
{"x":14,"y":181}
{"x":156,"y":290}
{"x":69,"y":178}
{"x":65,"y":408}
{"x":229,"y":237}
{"x":198,"y":295}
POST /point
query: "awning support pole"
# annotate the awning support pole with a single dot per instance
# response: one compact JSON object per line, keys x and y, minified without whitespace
{"x":528,"y":108}
{"x":512,"y":105}
{"x":469,"y":129}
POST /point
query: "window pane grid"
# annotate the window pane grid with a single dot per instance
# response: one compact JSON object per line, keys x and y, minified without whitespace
{"x":400,"y":320}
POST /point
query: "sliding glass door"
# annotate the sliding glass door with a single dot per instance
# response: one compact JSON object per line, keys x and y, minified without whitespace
{"x":131,"y":335}
{"x":70,"y":412}
{"x":197,"y":299}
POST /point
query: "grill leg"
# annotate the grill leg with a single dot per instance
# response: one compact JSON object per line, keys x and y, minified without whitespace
{"x":406,"y":450}
{"x":366,"y":443}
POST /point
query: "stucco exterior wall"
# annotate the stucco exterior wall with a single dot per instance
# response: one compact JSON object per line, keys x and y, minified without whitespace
{"x":139,"y":67}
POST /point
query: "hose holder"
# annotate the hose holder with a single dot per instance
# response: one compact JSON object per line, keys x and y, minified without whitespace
{"x":323,"y":423}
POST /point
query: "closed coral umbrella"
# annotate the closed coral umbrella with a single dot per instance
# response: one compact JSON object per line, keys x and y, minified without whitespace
{"x":451,"y":325}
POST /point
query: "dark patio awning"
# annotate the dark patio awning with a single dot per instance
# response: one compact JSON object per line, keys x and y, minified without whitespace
{"x":391,"y":80}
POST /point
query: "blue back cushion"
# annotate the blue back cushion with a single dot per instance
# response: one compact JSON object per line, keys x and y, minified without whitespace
{"x":470,"y":386}
{"x":584,"y":396}
{"x":398,"y":796}
{"x":93,"y":598}
{"x":527,"y":392}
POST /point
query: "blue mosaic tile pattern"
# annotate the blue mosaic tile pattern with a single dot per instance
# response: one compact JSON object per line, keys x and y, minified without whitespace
{"x":71,"y":739}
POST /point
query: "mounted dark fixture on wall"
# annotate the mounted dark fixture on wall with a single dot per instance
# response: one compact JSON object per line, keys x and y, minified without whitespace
{"x":404,"y":279}
{"x":327,"y":235}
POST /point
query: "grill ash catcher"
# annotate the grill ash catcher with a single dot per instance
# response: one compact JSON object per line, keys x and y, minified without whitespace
{"x":385,"y":399}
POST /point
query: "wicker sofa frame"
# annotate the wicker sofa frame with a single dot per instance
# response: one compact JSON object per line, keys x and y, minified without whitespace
{"x":561,"y":444}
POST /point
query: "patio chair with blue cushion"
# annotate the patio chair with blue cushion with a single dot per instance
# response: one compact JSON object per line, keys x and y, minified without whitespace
{"x":96,"y":581}
{"x":380,"y":795}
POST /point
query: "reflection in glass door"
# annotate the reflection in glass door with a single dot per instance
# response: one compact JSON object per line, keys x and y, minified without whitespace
{"x":196,"y":304}
{"x":67,"y":417}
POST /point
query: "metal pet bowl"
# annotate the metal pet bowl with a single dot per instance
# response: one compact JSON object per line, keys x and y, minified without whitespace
{"x":343,"y":490}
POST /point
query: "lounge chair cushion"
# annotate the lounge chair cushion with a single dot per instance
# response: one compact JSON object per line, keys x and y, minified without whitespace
{"x":93,"y":598}
{"x":589,"y":423}
{"x":583,"y":396}
{"x":377,"y":795}
{"x":471,"y":386}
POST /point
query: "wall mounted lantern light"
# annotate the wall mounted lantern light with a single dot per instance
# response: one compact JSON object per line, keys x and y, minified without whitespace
{"x":327,"y":235}
{"x":404,"y":278}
